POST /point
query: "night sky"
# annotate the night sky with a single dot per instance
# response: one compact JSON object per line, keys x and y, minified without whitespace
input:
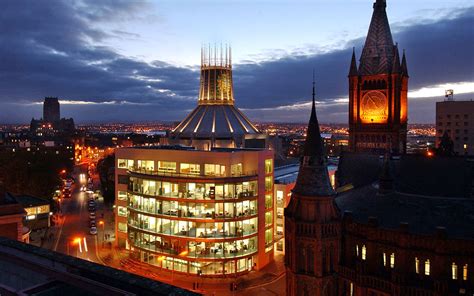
{"x":128,"y":61}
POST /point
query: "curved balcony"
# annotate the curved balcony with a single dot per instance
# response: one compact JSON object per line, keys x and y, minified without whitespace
{"x":209,"y":233}
{"x":138,"y":172}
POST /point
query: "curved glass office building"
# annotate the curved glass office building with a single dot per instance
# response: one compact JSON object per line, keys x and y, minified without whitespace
{"x":196,"y":212}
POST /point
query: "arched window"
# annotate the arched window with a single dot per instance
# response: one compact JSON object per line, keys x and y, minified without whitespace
{"x":364,"y":252}
{"x":392,"y":260}
{"x":454,"y":271}
{"x":417,"y":265}
{"x":427,"y":267}
{"x":464,"y":272}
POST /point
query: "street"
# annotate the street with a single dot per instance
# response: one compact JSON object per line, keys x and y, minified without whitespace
{"x":73,"y":237}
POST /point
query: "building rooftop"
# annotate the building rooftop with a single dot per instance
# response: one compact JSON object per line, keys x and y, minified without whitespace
{"x":52,"y":273}
{"x":30,"y":201}
{"x":423,"y":214}
{"x":190,"y":148}
{"x":413,"y":174}
{"x":286,"y":174}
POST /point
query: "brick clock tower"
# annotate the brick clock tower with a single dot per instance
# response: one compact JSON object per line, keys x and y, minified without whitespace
{"x":378,"y":91}
{"x":312,"y":223}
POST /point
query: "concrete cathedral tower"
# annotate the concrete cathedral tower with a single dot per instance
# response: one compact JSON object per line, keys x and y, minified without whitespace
{"x":215,"y":122}
{"x":312,"y":227}
{"x":378,"y":91}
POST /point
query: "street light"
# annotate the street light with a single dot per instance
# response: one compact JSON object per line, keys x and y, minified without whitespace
{"x":101,"y":223}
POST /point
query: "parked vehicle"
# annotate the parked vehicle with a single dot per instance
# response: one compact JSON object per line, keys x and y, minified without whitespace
{"x":93,"y":230}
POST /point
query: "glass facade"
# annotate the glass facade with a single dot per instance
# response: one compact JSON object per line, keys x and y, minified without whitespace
{"x":194,"y":227}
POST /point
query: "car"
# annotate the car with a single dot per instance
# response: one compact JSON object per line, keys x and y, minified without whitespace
{"x":92,"y":215}
{"x":91,"y":202}
{"x":92,"y":223}
{"x":93,"y":230}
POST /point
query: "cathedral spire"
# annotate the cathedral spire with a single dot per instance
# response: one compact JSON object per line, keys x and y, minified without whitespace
{"x":377,"y":54}
{"x":353,"y":69}
{"x":313,"y":178}
{"x":404,"y":65}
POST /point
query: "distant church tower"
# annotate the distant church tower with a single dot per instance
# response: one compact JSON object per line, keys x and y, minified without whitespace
{"x":378,"y":91}
{"x":312,"y":228}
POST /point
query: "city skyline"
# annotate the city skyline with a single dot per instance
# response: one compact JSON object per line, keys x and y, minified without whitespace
{"x":96,"y":58}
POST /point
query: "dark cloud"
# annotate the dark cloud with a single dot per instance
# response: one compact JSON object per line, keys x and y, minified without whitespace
{"x":50,"y":48}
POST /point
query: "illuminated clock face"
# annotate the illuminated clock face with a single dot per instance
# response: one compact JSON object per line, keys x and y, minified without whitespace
{"x":374,"y":107}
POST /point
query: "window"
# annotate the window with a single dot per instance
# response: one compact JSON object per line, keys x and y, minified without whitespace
{"x":214,"y":170}
{"x":148,"y":165}
{"x":122,"y":227}
{"x":268,"y":237}
{"x":351,"y":289}
{"x":392,"y":260}
{"x":417,"y":265}
{"x":236,"y":169}
{"x":123,"y":179}
{"x":357,"y":250}
{"x":454,"y":271}
{"x":190,"y":168}
{"x":122,"y":211}
{"x":122,"y":195}
{"x":268,"y":218}
{"x":268,"y":166}
{"x":427,"y":267}
{"x":167,"y":166}
{"x":268,"y":183}
{"x":268,"y":201}
{"x":384,"y":259}
{"x":125,"y":163}
{"x":364,"y":252}
{"x":464,"y":272}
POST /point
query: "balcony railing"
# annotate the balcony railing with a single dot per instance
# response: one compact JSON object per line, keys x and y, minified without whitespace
{"x":195,"y":174}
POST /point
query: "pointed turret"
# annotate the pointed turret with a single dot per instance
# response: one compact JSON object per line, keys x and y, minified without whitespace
{"x":404,"y":65}
{"x":377,"y":54}
{"x":353,"y":69}
{"x":396,"y":61}
{"x":313,"y":177}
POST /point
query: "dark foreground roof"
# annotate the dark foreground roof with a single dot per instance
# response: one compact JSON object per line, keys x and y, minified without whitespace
{"x":412,"y":174}
{"x":30,"y":201}
{"x":57,"y":272}
{"x":422,"y":213}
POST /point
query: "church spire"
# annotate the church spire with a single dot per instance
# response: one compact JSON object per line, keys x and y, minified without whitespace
{"x":313,"y":178}
{"x":377,"y":54}
{"x":353,"y":69}
{"x":404,"y":65}
{"x":396,"y":61}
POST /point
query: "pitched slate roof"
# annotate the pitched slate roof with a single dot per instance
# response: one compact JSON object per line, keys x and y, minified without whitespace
{"x":378,"y":52}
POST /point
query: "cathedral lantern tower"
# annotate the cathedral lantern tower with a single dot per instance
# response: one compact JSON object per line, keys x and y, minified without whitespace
{"x":378,"y":91}
{"x":312,"y":227}
{"x":216,"y":121}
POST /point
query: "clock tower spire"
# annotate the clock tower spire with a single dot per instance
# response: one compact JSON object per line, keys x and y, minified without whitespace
{"x":378,"y":91}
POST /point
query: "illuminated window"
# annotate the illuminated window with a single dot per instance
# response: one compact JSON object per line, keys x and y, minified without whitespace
{"x":268,"y":183}
{"x":214,"y":169}
{"x":417,"y":265}
{"x":122,"y":211}
{"x":268,"y":201}
{"x":148,"y":165}
{"x":167,"y":166}
{"x":364,"y":252}
{"x":351,"y":289}
{"x":122,"y":227}
{"x":122,"y":195}
{"x":357,"y":250}
{"x":125,"y":163}
{"x":464,"y":272}
{"x":190,"y":168}
{"x":236,"y":169}
{"x":454,"y":271}
{"x":427,"y":267}
{"x":268,"y":218}
{"x":384,"y":259}
{"x":268,"y":166}
{"x":392,"y":260}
